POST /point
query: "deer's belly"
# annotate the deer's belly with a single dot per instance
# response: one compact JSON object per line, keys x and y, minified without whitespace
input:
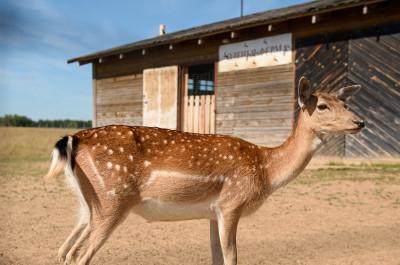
{"x":156,"y":210}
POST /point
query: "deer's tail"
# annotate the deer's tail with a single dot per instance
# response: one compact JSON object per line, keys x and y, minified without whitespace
{"x":62,"y":157}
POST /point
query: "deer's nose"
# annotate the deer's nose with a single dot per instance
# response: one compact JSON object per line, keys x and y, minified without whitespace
{"x":360,"y":124}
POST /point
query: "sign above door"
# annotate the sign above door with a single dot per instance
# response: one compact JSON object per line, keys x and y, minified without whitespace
{"x":268,"y":51}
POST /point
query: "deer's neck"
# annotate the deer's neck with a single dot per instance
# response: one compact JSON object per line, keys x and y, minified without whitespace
{"x":286,"y":162}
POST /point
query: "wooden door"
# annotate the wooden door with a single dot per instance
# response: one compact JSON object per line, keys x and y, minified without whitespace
{"x":160,"y":97}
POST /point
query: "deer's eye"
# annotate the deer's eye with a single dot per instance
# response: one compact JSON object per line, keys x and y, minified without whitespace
{"x":322,"y":107}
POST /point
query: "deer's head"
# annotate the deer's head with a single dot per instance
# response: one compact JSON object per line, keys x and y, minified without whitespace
{"x":328,"y":113}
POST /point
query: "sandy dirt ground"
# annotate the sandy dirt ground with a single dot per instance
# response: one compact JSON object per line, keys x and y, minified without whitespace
{"x":331,"y":222}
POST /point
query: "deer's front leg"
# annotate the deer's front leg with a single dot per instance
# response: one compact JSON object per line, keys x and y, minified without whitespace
{"x":228,"y":220}
{"x":216,"y":251}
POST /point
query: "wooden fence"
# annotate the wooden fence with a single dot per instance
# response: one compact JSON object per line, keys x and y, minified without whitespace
{"x":199,"y":114}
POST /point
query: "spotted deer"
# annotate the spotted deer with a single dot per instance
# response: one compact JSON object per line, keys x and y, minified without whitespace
{"x":166,"y":175}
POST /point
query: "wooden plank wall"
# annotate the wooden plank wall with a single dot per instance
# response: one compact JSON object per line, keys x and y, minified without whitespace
{"x":119,"y":100}
{"x":256,"y":104}
{"x":370,"y":58}
{"x":325,"y":65}
{"x":374,"y":63}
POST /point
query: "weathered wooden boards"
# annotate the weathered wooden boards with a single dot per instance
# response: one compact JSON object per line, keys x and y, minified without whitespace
{"x":119,"y":100}
{"x":367,"y":57}
{"x":325,"y":65}
{"x":256,"y":104}
{"x":160,"y":97}
{"x":199,"y":114}
{"x":374,"y":64}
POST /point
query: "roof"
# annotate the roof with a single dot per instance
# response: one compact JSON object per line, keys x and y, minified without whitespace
{"x":265,"y":17}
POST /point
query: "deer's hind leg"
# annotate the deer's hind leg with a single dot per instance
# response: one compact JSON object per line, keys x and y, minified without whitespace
{"x":74,"y":236}
{"x":93,"y":237}
{"x":82,"y":222}
{"x":106,"y":211}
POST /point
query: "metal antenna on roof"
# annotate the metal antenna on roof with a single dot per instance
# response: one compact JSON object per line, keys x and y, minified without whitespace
{"x":241,"y":8}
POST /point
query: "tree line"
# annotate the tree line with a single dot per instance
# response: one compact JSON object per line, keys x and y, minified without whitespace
{"x":23,"y":121}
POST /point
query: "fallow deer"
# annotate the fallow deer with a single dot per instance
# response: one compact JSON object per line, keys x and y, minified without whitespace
{"x":166,"y":175}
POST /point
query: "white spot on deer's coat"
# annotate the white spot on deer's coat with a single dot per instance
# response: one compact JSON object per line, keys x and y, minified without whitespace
{"x":121,"y":149}
{"x":165,"y":141}
{"x":125,"y":186}
{"x":109,"y":165}
{"x":142,"y":138}
{"x":130,"y":132}
{"x":105,"y":147}
{"x":111,"y":192}
{"x":117,"y":167}
{"x":125,"y":169}
{"x":132,"y":176}
{"x":110,"y":151}
{"x":131,"y":157}
{"x":147,"y":163}
{"x":230,"y":157}
{"x":172,"y":142}
{"x":95,"y":135}
{"x":207,"y":179}
{"x":119,"y":133}
{"x":221,"y":178}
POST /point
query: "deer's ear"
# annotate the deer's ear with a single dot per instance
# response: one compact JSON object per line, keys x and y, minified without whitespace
{"x":345,"y":93}
{"x":304,"y":92}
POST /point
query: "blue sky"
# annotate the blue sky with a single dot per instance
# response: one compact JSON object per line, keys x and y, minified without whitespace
{"x":37,"y":37}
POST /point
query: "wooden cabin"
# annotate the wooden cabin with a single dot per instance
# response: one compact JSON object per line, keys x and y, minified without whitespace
{"x":238,"y":77}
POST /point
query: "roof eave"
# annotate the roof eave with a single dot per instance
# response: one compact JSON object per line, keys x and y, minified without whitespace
{"x":259,"y":20}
